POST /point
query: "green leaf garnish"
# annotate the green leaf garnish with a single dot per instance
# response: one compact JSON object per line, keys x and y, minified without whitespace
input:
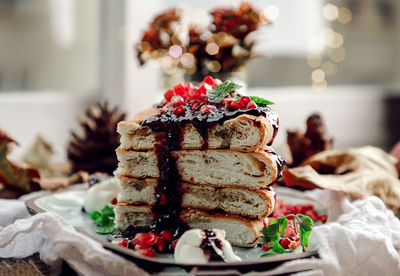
{"x":276,"y":229}
{"x":217,"y":94}
{"x":104,"y":220}
{"x":260,"y":101}
{"x":107,"y":229}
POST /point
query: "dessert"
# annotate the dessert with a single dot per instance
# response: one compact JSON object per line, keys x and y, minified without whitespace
{"x":201,"y":160}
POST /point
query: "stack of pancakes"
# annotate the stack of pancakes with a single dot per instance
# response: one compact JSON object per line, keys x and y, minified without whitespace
{"x":223,"y":182}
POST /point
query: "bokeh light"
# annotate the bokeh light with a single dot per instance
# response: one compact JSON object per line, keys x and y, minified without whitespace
{"x":188,"y":60}
{"x":175,"y":51}
{"x":330,"y":12}
{"x":344,"y":15}
{"x":318,"y":75}
{"x":212,"y":48}
{"x":329,"y":68}
{"x":319,"y":86}
{"x":214,"y":66}
{"x":337,"y":55}
{"x":314,"y":60}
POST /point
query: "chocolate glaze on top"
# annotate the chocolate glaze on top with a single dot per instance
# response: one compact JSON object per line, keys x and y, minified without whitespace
{"x":212,"y":246}
{"x":202,"y":122}
{"x":280,"y":162}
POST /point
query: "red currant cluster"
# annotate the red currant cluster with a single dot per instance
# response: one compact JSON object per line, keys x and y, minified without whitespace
{"x":147,"y":244}
{"x":184,"y":97}
{"x":283,"y":209}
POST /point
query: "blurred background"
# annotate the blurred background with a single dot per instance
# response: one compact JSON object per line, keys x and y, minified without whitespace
{"x":338,"y":58}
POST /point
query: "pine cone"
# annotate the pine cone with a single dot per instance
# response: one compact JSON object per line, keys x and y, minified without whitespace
{"x":94,"y":150}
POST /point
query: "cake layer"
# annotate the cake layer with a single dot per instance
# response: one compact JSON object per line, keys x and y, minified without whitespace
{"x":222,"y":168}
{"x":244,"y":133}
{"x":237,"y":201}
{"x":239,"y":231}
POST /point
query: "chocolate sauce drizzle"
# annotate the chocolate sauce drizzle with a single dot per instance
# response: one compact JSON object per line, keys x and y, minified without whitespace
{"x":212,"y":246}
{"x":168,"y":195}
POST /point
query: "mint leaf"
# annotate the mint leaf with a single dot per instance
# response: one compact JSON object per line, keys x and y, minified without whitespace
{"x":260,"y":101}
{"x":95,"y":215}
{"x":106,"y":229}
{"x":108,"y":211}
{"x":305,"y":231}
{"x":217,"y":94}
{"x":104,"y":220}
{"x":277,"y":247}
{"x":271,"y":231}
{"x":282,"y":226}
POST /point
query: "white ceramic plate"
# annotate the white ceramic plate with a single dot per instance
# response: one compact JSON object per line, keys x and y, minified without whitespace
{"x":68,"y":204}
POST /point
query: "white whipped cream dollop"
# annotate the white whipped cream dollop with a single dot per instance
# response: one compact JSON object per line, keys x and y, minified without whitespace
{"x":188,"y":248}
{"x":100,"y":194}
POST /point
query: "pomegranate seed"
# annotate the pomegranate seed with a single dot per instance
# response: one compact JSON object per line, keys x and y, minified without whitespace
{"x":179,"y":89}
{"x":195,"y":94}
{"x":251,"y":105}
{"x":124,"y":243}
{"x":293,"y":245}
{"x":235,"y":105}
{"x":163,"y":200}
{"x":179,"y":110}
{"x":289,"y":231}
{"x":195,"y":105}
{"x":145,"y":239}
{"x":323,"y":218}
{"x":148,"y":252}
{"x":244,"y":100}
{"x":161,"y":244}
{"x":265,"y":247}
{"x":114,"y":201}
{"x":167,"y":235}
{"x":169,"y":94}
{"x":209,"y":80}
{"x":285,"y":242}
{"x":207,"y":109}
{"x":142,"y":246}
{"x":177,"y":101}
{"x":188,"y":86}
{"x":229,"y":102}
{"x":203,"y":89}
{"x":173,"y":244}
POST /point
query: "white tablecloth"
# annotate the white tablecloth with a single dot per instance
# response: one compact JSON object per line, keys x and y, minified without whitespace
{"x":360,"y":238}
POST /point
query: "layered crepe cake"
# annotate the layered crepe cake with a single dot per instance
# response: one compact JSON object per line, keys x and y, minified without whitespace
{"x":199,"y":161}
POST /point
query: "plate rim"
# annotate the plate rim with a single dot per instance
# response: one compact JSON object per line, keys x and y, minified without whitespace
{"x":33,"y":209}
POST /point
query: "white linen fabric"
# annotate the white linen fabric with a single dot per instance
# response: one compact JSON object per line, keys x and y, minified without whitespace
{"x":360,"y":238}
{"x":55,"y":239}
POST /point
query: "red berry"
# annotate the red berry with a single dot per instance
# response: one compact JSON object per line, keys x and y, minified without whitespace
{"x":244,"y":100}
{"x":179,"y":110}
{"x":323,"y":218}
{"x":169,"y":94}
{"x":148,"y":252}
{"x":265,"y":247}
{"x":177,"y":101}
{"x":188,"y":86}
{"x":173,"y":244}
{"x":235,"y":106}
{"x":166,"y":234}
{"x":114,"y":201}
{"x":251,"y":105}
{"x":209,"y":80}
{"x":124,"y":243}
{"x":203,"y":89}
{"x":195,"y":105}
{"x":144,"y":239}
{"x":207,"y":109}
{"x":285,"y":243}
{"x":179,"y":89}
{"x":161,"y":244}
